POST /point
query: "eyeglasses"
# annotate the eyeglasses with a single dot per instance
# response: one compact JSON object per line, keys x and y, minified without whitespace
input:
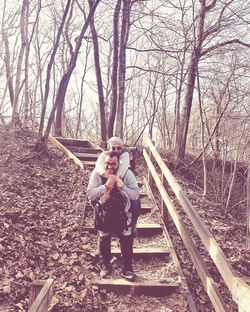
{"x":111,"y":164}
{"x":116,"y":148}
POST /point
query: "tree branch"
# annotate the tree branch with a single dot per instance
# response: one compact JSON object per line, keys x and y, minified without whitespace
{"x":222,"y":44}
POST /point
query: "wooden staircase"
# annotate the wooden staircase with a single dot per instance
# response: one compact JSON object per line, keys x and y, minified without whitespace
{"x":83,"y":150}
{"x":152,"y":252}
{"x":157,"y":269}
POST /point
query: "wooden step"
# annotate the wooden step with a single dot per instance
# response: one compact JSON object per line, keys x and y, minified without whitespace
{"x":146,"y":208}
{"x":152,"y":288}
{"x":77,"y":149}
{"x":87,"y":156}
{"x":74,"y":142}
{"x":143,"y":229}
{"x":143,"y":195}
{"x":89,"y":163}
{"x":149,"y":228}
{"x":145,"y":252}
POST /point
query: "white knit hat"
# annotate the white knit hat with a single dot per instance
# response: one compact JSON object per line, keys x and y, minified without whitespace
{"x":115,"y":140}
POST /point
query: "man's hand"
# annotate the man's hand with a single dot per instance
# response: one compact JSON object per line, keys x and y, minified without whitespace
{"x":111,"y":181}
{"x":106,"y":175}
{"x":119,"y":184}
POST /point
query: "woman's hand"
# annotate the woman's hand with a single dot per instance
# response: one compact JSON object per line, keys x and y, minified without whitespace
{"x":111,"y":181}
{"x":119,"y":184}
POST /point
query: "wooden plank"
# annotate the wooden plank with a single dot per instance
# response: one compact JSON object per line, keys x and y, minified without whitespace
{"x":205,"y":235}
{"x":86,"y":155}
{"x":34,"y":291}
{"x":41,"y":303}
{"x":66,"y":151}
{"x":150,"y":179}
{"x":144,"y":195}
{"x":144,"y":252}
{"x":241,"y":294}
{"x":145,"y":208}
{"x":148,"y":228}
{"x":142,"y":229}
{"x":89,"y":163}
{"x":88,"y":150}
{"x":164,"y":210}
{"x":206,"y":279}
{"x":148,"y":288}
{"x":75,"y":142}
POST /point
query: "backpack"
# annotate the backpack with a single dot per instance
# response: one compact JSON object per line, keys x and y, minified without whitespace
{"x":111,"y":216}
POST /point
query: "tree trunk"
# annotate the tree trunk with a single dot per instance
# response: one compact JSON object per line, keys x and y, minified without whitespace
{"x":58,"y":122}
{"x":98,"y":76}
{"x":193,"y":66}
{"x":26,"y":69}
{"x":113,"y":105}
{"x":7,"y":62}
{"x":18,"y":85}
{"x":63,"y":85}
{"x":47,"y":83}
{"x":122,"y":67}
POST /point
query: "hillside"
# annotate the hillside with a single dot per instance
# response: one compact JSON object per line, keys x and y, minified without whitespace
{"x":41,"y":203}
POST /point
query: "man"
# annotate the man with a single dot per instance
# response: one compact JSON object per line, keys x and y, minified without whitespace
{"x":102,"y":191}
{"x":115,"y":144}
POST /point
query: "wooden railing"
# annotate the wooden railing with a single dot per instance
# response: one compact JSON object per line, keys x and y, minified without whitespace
{"x":237,"y":286}
{"x":70,"y":155}
{"x":40,"y":295}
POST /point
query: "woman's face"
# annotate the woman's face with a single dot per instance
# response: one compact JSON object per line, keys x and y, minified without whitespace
{"x":116,"y":148}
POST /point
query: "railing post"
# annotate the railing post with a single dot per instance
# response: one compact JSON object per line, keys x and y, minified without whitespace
{"x":34,"y":291}
{"x":164,"y":209}
{"x":150,"y":177}
{"x":41,"y":292}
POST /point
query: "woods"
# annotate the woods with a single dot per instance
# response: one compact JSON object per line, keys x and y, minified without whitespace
{"x":141,"y":61}
{"x":177,"y":71}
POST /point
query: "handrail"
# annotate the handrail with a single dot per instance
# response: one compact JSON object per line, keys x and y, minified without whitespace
{"x":205,"y":235}
{"x":40,"y":302}
{"x":206,"y":279}
{"x":70,"y":155}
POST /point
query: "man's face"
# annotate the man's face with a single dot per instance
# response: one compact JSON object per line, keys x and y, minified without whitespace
{"x":111,"y":164}
{"x":116,"y":148}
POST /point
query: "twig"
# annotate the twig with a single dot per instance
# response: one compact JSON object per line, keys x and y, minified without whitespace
{"x":240,"y":202}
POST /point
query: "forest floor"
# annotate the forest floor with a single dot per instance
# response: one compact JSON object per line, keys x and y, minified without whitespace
{"x":41,"y":206}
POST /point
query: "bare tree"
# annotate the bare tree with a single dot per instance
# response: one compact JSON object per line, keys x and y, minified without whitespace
{"x":98,"y":75}
{"x":66,"y":77}
{"x":49,"y":68}
{"x":196,"y":54}
{"x":114,"y":82}
{"x":126,"y":9}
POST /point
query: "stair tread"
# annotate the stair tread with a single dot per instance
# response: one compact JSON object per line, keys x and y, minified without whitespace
{"x":152,"y":288}
{"x":87,"y":155}
{"x":143,"y":250}
{"x":148,"y":226}
{"x":146,"y":283}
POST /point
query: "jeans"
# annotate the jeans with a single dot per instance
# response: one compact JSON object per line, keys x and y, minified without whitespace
{"x":135,"y":208}
{"x":126,"y":244}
